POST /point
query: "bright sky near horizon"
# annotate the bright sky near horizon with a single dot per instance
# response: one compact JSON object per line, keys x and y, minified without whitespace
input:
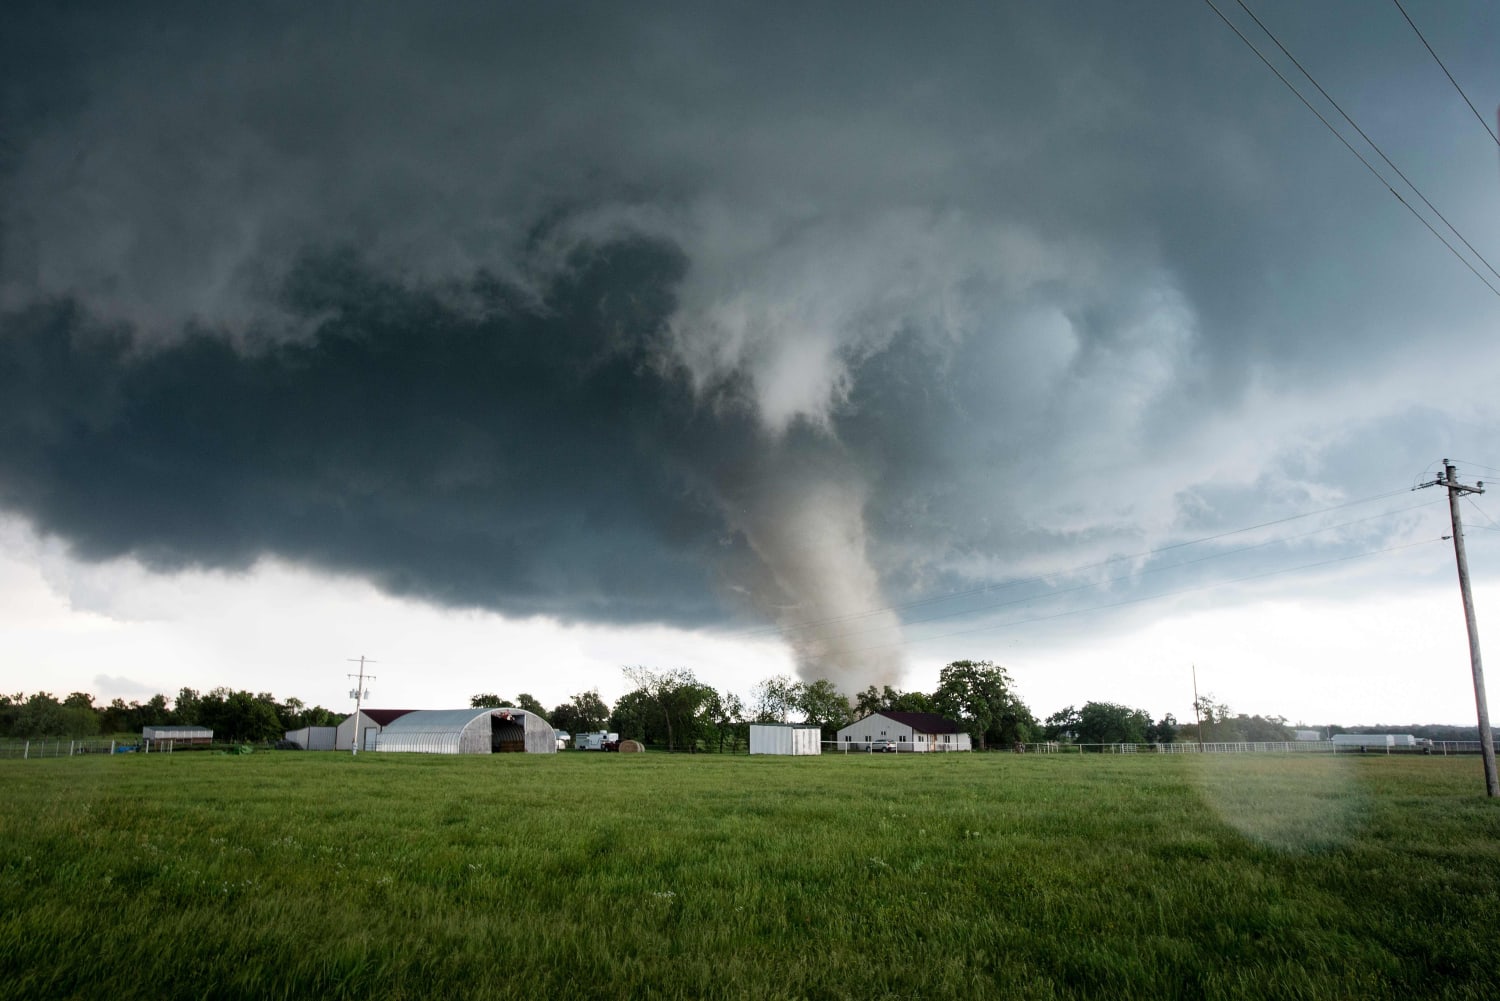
{"x":508,"y":347}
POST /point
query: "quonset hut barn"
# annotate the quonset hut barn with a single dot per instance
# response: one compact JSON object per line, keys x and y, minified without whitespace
{"x":468,"y":731}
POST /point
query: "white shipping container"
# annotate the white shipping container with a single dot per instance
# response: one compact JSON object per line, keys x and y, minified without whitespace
{"x":785,"y":738}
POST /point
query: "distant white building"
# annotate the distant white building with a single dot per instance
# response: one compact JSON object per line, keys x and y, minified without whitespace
{"x":1307,"y":735}
{"x":903,"y":732}
{"x":786,"y":738}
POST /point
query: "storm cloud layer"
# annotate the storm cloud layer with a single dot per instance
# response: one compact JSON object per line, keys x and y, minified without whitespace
{"x":690,"y":314}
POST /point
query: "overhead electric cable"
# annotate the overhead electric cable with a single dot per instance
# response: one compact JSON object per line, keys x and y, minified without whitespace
{"x":1438,"y":59}
{"x":1491,"y":527}
{"x":1373,"y":145}
{"x":1152,"y":597}
{"x":1347,"y":145}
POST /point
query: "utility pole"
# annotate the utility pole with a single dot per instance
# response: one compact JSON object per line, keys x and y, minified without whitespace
{"x":1449,"y":478}
{"x":359,"y":695}
{"x":1197,"y":718}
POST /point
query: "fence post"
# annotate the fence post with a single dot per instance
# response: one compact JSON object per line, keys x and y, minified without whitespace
{"x":26,"y":754}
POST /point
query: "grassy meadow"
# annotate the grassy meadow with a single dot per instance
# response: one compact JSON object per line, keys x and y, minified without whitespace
{"x":304,"y":875}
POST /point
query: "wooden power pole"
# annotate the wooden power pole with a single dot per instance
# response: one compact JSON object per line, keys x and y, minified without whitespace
{"x":359,"y":694}
{"x":1449,"y":478}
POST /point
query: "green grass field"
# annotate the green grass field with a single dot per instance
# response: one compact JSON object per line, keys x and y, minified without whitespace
{"x":868,"y":877}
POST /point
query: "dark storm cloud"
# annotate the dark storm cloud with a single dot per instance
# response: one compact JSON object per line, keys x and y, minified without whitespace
{"x":657,"y":312}
{"x":511,"y":459}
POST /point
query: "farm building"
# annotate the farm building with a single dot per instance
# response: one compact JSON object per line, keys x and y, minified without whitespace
{"x":314,"y":738}
{"x":902,"y":731}
{"x":468,"y":731}
{"x":785,"y":738}
{"x":164,"y":738}
{"x":371,"y":722}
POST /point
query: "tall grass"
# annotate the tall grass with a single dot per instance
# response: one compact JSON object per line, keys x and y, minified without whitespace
{"x":866,"y":877}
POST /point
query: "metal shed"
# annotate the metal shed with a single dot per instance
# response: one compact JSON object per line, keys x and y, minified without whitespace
{"x":314,"y":738}
{"x":163,"y":738}
{"x":785,"y":738}
{"x":468,"y":731}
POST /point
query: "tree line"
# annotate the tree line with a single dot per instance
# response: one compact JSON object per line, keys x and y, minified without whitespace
{"x":672,"y":709}
{"x":234,"y":716}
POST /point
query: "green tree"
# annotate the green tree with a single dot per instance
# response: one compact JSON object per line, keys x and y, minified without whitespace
{"x":1062,"y":725}
{"x":725,"y":715}
{"x":80,"y":718}
{"x":486,"y":700}
{"x":679,"y":697}
{"x":529,"y":702}
{"x":41,"y":715}
{"x":978,"y":694}
{"x":774,"y":699}
{"x":821,"y":703}
{"x":875,"y":700}
{"x":636,"y":716}
{"x":238,"y":716}
{"x":185,"y":707}
{"x":1111,"y":723}
{"x":1163,"y":731}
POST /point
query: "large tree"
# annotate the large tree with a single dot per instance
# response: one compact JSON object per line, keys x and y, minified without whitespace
{"x":1111,"y":723}
{"x":821,"y":703}
{"x":585,"y":712}
{"x":677,"y":695}
{"x":529,"y":702}
{"x":978,"y":694}
{"x":774,"y":699}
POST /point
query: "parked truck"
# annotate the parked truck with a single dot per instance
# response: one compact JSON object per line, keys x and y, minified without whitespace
{"x":601,"y":740}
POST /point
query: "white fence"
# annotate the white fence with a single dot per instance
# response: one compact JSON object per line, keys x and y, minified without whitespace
{"x":1441,"y":747}
{"x":890,"y":747}
{"x":55,"y":747}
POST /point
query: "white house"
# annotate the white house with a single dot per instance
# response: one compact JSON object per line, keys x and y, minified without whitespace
{"x":901,"y":731}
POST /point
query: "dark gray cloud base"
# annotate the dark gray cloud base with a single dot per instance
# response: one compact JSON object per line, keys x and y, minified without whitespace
{"x":669,"y":313}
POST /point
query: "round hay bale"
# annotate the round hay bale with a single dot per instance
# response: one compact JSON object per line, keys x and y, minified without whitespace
{"x":631,"y":747}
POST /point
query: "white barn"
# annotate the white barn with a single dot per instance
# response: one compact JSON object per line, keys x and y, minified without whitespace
{"x":785,"y":738}
{"x":903,"y":732}
{"x":468,"y":731}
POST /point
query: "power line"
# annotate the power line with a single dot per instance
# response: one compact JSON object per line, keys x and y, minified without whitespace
{"x":1347,"y":145}
{"x":1435,"y":56}
{"x":1373,"y":145}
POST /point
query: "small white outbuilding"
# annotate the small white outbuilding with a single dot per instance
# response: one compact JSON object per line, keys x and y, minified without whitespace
{"x":785,"y":738}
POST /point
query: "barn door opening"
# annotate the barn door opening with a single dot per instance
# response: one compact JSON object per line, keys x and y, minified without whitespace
{"x":506,"y":735}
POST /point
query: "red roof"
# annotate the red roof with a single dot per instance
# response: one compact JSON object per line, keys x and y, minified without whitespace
{"x":384,"y":716}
